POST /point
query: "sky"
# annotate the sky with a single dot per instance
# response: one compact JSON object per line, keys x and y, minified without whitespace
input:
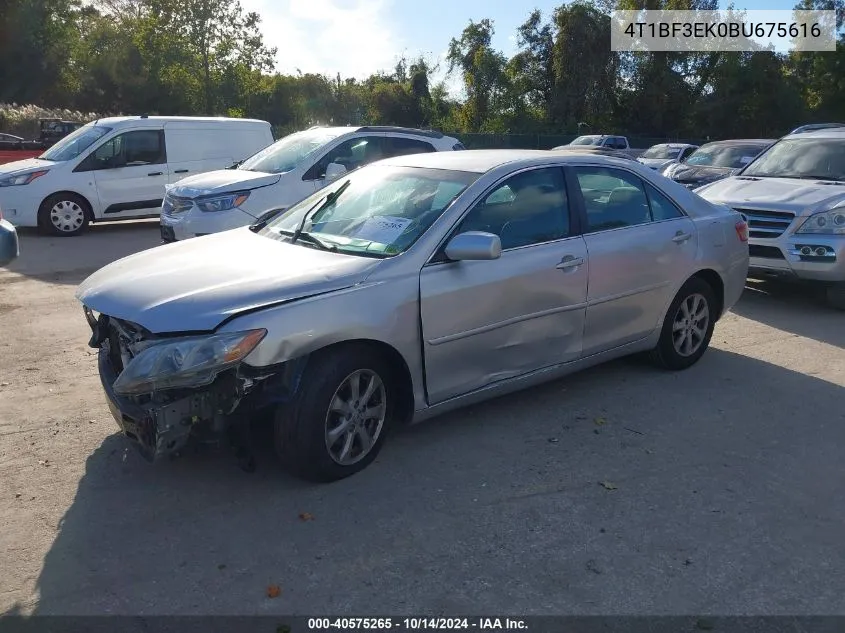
{"x":357,"y":38}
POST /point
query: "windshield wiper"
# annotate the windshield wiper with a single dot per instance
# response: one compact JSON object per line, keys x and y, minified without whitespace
{"x":310,"y":237}
{"x":320,"y":204}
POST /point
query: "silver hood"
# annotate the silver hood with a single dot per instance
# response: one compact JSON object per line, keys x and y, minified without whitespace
{"x":787,"y":194}
{"x":196,"y":284}
{"x":221,"y":181}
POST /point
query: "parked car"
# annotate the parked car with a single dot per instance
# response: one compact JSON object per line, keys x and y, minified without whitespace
{"x":283,"y":174}
{"x":407,"y":288}
{"x":715,"y":160}
{"x":794,"y":198}
{"x":661,"y":156}
{"x":603,"y":140}
{"x":9,"y":245}
{"x":117,"y":168}
{"x":812,"y":127}
{"x":594,"y":151}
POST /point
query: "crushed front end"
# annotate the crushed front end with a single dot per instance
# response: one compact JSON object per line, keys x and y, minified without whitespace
{"x":173,"y":412}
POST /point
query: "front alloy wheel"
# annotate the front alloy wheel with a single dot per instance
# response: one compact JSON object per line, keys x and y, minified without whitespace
{"x":337,"y":422}
{"x":355,"y":417}
{"x":687,"y":326}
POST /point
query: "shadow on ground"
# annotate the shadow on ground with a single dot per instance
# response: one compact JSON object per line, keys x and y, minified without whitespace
{"x":69,"y":260}
{"x":618,"y":490}
{"x":795,"y":308}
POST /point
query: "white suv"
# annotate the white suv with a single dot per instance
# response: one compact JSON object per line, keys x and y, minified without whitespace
{"x":793,"y":195}
{"x":284,"y":173}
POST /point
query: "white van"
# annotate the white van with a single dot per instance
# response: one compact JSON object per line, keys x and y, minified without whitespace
{"x":283,"y":174}
{"x":118,"y":168}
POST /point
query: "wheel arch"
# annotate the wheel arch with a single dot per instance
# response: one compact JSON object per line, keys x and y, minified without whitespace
{"x":89,"y":208}
{"x":715,"y":281}
{"x":400,"y":372}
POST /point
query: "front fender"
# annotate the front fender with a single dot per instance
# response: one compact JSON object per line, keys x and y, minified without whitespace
{"x":386,"y":311}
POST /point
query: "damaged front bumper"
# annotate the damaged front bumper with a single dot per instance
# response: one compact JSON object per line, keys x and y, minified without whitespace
{"x":163,"y":422}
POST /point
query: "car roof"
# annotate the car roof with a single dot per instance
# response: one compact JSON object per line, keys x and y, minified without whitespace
{"x":674,"y":145}
{"x":742,"y":141}
{"x":152,"y":120}
{"x":830,"y":133}
{"x":483,"y":160}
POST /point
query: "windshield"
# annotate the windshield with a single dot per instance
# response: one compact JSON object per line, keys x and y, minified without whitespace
{"x":75,"y":143}
{"x":661,"y":151}
{"x":732,"y":156}
{"x":586,"y":140}
{"x":382,"y":210}
{"x":288,"y":153}
{"x":819,"y":158}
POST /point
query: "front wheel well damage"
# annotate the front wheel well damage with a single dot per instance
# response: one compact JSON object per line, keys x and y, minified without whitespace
{"x":400,"y":375}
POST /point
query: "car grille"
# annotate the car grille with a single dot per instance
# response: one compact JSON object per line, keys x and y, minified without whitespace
{"x":767,"y":224}
{"x":174,"y":205}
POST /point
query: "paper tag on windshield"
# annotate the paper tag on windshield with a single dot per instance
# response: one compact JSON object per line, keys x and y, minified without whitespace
{"x":746,"y":159}
{"x":383,"y":229}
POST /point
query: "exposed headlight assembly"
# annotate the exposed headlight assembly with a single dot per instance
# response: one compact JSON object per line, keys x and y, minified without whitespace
{"x":222,"y":203}
{"x":830,"y":222}
{"x":192,"y":361}
{"x":22,"y":179}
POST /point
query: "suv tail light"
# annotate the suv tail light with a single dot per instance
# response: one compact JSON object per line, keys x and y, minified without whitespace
{"x":742,"y":230}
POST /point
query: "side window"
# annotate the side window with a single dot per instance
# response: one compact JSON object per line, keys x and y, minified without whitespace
{"x":141,"y":147}
{"x":528,"y":208}
{"x":613,"y":198}
{"x":398,"y":146}
{"x":661,"y":207}
{"x":351,"y":153}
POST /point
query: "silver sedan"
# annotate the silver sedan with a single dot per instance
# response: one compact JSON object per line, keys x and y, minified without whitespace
{"x":405,"y":289}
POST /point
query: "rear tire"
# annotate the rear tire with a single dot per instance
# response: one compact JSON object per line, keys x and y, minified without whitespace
{"x":836,"y":296}
{"x":323,"y":435}
{"x":687,"y":326}
{"x":64,"y":215}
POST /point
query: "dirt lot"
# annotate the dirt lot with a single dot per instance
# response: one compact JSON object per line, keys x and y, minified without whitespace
{"x":724,"y":486}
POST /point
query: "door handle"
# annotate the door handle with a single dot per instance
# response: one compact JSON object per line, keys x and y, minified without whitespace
{"x":569,"y":262}
{"x":154,"y":173}
{"x":181,"y":171}
{"x":680,"y":237}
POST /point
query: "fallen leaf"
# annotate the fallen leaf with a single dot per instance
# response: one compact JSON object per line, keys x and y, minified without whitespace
{"x":607,"y":485}
{"x":17,"y":495}
{"x":306,"y":516}
{"x":600,"y":421}
{"x":221,"y":567}
{"x":553,"y":440}
{"x":4,"y":384}
{"x":273,"y":591}
{"x":44,"y":462}
{"x":593,"y":566}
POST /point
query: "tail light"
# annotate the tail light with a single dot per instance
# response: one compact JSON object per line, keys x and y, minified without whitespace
{"x":742,"y":230}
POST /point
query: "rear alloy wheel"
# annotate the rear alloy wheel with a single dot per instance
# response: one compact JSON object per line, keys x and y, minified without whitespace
{"x":337,"y":424}
{"x":687,"y":327}
{"x":64,"y":214}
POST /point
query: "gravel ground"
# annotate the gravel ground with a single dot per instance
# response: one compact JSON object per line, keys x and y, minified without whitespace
{"x":620,"y":490}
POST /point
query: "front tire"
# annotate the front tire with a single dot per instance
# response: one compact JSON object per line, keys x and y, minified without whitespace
{"x":687,"y":326}
{"x":836,"y":296}
{"x":337,"y":424}
{"x":64,"y":215}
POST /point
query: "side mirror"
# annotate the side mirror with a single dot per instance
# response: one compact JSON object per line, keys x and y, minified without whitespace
{"x":474,"y":245}
{"x":9,"y":247}
{"x":334,"y":170}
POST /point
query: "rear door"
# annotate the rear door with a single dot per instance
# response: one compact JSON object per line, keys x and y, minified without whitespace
{"x":641,"y":248}
{"x":130,"y":171}
{"x":487,"y":321}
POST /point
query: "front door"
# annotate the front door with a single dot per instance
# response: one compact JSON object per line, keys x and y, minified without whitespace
{"x":641,"y":248}
{"x":486,"y":321}
{"x":131,"y":171}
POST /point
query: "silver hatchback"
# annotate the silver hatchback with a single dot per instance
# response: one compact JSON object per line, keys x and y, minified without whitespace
{"x":405,"y":289}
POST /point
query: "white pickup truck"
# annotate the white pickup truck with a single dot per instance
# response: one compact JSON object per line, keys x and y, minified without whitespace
{"x":608,"y":141}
